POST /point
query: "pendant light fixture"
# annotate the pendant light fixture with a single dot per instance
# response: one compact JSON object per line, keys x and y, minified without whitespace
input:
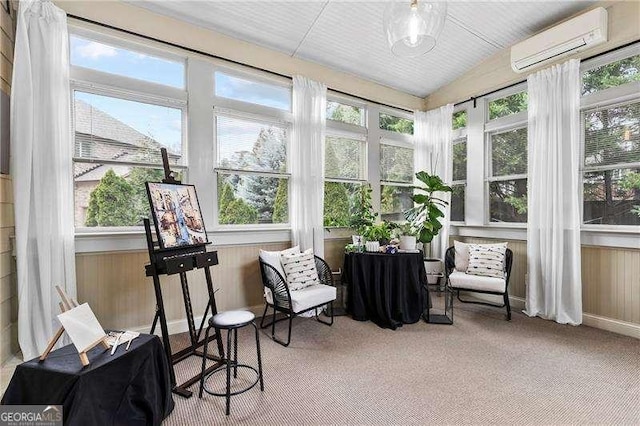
{"x":412,"y":28}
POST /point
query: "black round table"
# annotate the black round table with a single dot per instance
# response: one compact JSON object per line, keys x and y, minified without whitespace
{"x":386,"y":288}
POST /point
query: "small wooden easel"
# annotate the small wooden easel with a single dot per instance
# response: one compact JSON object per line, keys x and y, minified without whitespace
{"x":66,"y":304}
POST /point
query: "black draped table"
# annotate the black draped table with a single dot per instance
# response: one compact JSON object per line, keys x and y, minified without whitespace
{"x":385,"y":288}
{"x":128,"y":388}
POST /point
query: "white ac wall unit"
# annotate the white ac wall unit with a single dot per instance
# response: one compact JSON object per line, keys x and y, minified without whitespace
{"x":574,"y":35}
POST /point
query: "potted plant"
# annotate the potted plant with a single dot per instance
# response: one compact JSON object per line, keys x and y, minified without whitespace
{"x":426,"y":213}
{"x":407,"y":234}
{"x":380,"y":232}
{"x":362,"y":215}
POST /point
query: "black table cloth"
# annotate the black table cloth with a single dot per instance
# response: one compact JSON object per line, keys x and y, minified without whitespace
{"x":129,"y":388}
{"x":385,"y":288}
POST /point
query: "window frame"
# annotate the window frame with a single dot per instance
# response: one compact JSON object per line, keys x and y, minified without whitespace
{"x":458,"y":136}
{"x":335,"y":128}
{"x":127,"y":43}
{"x":491,"y":127}
{"x":100,"y":83}
{"x":249,"y":114}
{"x":250,"y":107}
{"x":626,"y":94}
{"x":397,"y":139}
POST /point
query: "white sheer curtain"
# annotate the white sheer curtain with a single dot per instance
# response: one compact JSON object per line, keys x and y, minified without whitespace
{"x":307,"y":164}
{"x":41,"y":150}
{"x":553,"y":228}
{"x":432,"y":153}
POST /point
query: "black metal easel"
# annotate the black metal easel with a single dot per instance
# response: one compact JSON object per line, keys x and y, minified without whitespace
{"x":179,"y":261}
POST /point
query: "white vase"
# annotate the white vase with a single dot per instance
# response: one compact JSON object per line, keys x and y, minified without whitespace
{"x":407,"y":242}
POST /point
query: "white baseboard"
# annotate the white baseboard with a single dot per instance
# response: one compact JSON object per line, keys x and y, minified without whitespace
{"x":614,"y":325}
{"x":181,"y":326}
{"x":591,"y":320}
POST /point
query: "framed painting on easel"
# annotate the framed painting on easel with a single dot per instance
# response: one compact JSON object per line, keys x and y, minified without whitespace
{"x":176,"y":215}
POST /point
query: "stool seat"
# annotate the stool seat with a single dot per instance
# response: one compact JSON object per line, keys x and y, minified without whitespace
{"x":231,"y":319}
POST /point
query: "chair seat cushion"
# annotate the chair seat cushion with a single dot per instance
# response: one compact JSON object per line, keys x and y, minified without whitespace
{"x":231,"y":318}
{"x":460,"y":280}
{"x":309,"y":297}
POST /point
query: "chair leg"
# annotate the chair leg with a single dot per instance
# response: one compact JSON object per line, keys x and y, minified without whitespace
{"x":259,"y":356}
{"x":508,"y":305}
{"x":235,"y":353}
{"x":228,"y":410}
{"x":330,"y":322}
{"x":204,"y":360}
{"x":263,"y":315}
{"x":273,"y":328}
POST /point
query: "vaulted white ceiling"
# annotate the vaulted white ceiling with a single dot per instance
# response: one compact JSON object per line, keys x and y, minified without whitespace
{"x":348,"y":35}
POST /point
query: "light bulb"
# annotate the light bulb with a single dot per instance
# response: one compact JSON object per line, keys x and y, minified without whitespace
{"x":414,"y":26}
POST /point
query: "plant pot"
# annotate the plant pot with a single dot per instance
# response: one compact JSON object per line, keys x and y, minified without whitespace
{"x":358,"y":240}
{"x":433,"y":267}
{"x":407,"y":242}
{"x":372,"y":246}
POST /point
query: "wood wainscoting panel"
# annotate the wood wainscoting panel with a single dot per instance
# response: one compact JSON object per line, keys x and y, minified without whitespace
{"x":611,"y":283}
{"x":334,"y":252}
{"x":122,"y":297}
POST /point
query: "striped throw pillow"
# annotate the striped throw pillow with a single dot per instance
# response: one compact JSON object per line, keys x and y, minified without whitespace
{"x":487,"y":260}
{"x":300,"y":270}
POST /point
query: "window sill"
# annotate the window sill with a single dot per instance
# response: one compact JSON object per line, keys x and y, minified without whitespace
{"x":132,"y":240}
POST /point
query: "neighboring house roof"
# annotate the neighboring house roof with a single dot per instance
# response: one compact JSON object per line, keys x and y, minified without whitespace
{"x":92,"y":121}
{"x":109,"y":138}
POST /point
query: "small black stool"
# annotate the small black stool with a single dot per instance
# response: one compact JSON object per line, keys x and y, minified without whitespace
{"x":231,"y":321}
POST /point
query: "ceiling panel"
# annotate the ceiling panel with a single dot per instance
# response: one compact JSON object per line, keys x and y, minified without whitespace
{"x":348,"y":35}
{"x":278,"y":25}
{"x":362,"y":49}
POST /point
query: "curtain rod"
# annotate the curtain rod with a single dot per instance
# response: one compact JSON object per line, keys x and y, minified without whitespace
{"x":210,"y":55}
{"x":475,"y":98}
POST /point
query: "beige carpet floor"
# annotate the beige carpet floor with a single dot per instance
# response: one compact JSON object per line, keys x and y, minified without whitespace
{"x":481,"y":370}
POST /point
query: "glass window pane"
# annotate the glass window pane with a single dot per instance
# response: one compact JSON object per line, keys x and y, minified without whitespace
{"x":344,"y":158}
{"x":396,"y":163}
{"x":460,"y":159}
{"x":457,"y":203}
{"x":509,"y":152}
{"x":338,"y":199}
{"x":612,"y":197}
{"x":396,"y":124}
{"x":611,"y":75}
{"x":612,"y":135}
{"x":251,"y":145}
{"x":508,"y":105}
{"x":508,"y":201}
{"x":255,"y":92}
{"x":112,"y":195}
{"x":394,"y":200}
{"x":116,"y":129}
{"x":345,"y":113}
{"x":250,"y":199}
{"x":459,"y":119}
{"x":128,"y":63}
